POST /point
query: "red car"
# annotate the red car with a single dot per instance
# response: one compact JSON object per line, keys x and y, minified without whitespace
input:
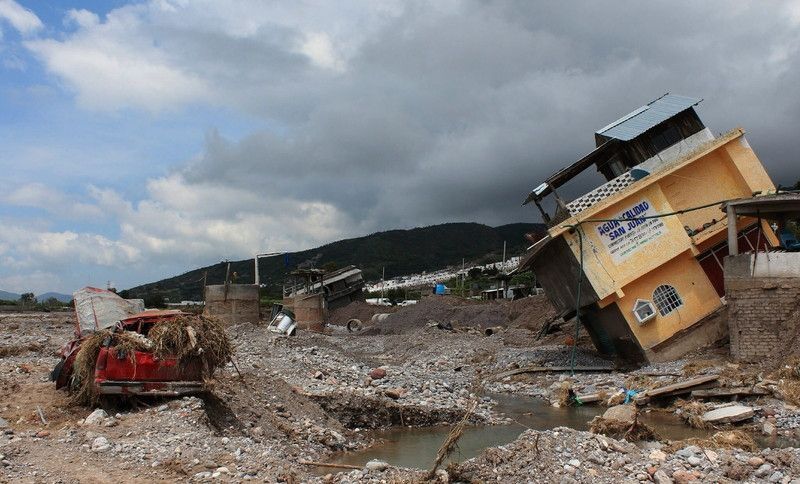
{"x":116,"y":373}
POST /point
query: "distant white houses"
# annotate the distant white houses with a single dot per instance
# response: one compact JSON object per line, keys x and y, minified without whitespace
{"x":185,"y":303}
{"x":432,"y":278}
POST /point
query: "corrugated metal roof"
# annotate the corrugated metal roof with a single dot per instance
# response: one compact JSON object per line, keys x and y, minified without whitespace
{"x":637,"y":122}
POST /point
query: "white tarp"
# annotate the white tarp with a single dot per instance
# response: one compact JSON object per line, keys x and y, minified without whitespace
{"x":99,"y":309}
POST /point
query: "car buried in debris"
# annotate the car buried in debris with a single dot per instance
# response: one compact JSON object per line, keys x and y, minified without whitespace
{"x":124,"y":369}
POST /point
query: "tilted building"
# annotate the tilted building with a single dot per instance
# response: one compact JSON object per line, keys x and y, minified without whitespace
{"x":652,"y":284}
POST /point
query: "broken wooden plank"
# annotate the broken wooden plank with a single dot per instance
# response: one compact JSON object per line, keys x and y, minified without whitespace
{"x":678,"y":388}
{"x":730,"y":392}
{"x":41,"y":414}
{"x":328,"y":464}
{"x":545,"y":369}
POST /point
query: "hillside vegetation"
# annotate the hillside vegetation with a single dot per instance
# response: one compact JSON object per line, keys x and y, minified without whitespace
{"x":400,"y":252}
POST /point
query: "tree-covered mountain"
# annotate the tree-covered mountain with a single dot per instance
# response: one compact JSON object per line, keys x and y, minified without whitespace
{"x":400,"y":252}
{"x":9,"y":296}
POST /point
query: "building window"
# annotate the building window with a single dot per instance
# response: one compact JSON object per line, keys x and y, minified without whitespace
{"x":666,"y":137}
{"x":666,"y":299}
{"x":616,"y":166}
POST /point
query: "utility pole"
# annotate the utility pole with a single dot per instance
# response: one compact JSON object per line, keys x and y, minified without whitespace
{"x":462,"y":277}
{"x":383,"y":277}
{"x":205,"y":277}
{"x":227,"y":275}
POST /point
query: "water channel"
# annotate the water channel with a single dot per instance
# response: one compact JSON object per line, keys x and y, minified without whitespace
{"x":416,"y":447}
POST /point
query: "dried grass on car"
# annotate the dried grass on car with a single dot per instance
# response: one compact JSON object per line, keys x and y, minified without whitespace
{"x":193,"y":337}
{"x":82,"y":385}
{"x":187,"y":338}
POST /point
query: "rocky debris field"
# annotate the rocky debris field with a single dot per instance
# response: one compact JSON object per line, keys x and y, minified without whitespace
{"x":568,"y":456}
{"x":291,"y":400}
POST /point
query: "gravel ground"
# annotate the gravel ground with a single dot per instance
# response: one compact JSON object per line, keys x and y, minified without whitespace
{"x":310,"y":396}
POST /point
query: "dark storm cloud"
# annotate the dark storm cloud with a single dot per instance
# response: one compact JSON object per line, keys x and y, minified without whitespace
{"x":456,"y":115}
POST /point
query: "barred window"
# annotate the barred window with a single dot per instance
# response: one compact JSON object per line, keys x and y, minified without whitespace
{"x":666,"y":299}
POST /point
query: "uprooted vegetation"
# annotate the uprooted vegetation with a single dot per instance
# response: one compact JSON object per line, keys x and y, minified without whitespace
{"x":630,"y":431}
{"x":789,"y":380}
{"x":192,"y":338}
{"x":725,"y":439}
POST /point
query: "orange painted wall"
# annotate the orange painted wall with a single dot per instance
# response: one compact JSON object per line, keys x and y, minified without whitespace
{"x":698,"y":295}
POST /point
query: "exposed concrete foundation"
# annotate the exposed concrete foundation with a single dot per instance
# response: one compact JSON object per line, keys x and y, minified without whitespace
{"x":309,"y":310}
{"x":238,"y":304}
{"x":705,"y":332}
{"x":763,"y":294}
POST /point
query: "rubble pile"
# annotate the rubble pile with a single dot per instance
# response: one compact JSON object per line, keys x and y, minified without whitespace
{"x":430,"y":386}
{"x":567,"y":455}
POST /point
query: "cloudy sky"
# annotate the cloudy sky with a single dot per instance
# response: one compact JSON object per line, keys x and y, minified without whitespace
{"x":140,"y":140}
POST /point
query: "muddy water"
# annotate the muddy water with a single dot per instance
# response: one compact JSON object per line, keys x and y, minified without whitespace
{"x":416,"y":447}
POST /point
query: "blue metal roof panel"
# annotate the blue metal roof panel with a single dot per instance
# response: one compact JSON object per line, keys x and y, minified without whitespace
{"x":637,"y":122}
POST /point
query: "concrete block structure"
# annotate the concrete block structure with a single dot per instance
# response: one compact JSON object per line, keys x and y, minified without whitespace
{"x":233,"y":303}
{"x":762,"y":291}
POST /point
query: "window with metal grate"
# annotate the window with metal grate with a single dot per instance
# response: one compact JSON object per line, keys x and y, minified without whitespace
{"x":666,"y":299}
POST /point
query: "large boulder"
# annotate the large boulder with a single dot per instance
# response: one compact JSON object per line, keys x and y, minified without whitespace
{"x":622,"y":413}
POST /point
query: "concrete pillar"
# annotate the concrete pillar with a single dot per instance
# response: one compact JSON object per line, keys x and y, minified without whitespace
{"x":733,"y":242}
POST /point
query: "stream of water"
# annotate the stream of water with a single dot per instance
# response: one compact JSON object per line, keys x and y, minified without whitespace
{"x":416,"y":447}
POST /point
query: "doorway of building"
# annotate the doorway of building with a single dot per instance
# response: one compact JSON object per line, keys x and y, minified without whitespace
{"x":712,"y":260}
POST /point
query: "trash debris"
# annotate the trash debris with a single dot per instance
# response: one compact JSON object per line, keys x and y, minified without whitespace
{"x":284,"y":323}
{"x":354,"y":325}
{"x":98,"y":309}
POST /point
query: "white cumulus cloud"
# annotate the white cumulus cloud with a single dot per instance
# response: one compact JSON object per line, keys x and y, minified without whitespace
{"x":22,"y":19}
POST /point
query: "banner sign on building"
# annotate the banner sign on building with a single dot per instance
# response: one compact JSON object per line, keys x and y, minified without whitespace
{"x":623,"y":238}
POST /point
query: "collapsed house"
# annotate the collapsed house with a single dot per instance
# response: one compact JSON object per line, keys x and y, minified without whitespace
{"x":339,"y":287}
{"x":647,"y":245}
{"x":315,"y":292}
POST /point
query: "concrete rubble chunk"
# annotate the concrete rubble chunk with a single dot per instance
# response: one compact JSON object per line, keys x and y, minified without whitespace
{"x":735,"y":413}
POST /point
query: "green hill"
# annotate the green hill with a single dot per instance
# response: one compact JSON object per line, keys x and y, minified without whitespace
{"x":400,"y":252}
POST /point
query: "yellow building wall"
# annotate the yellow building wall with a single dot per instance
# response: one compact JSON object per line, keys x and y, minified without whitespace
{"x":710,"y":179}
{"x":748,"y":167}
{"x":687,"y":277}
{"x":730,"y":170}
{"x":609,"y":277}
